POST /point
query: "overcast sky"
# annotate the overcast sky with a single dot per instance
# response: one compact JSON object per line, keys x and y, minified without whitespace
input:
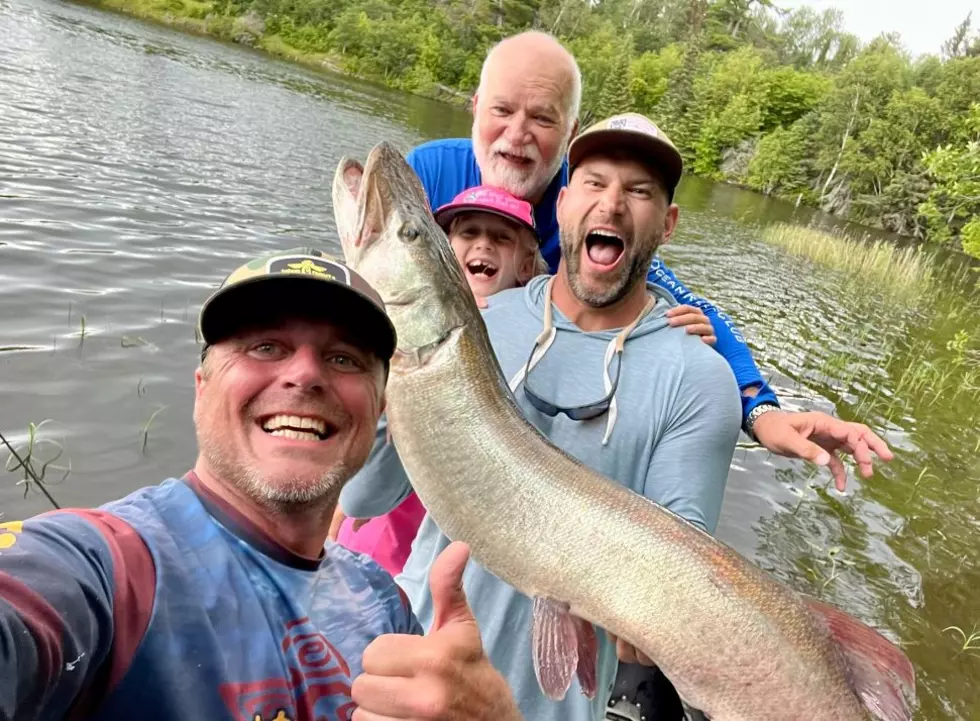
{"x":924,"y":26}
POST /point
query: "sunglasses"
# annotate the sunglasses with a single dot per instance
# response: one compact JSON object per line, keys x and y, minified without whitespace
{"x":576,"y":413}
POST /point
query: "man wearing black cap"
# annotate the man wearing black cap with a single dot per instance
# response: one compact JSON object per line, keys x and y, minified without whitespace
{"x":215,"y":596}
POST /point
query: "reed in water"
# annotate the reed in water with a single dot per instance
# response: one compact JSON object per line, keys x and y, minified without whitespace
{"x":906,"y":272}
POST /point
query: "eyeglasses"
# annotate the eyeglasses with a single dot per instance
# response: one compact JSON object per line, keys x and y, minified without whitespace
{"x":576,"y":413}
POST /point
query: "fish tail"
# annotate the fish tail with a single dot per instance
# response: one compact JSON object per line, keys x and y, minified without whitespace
{"x":879,"y":672}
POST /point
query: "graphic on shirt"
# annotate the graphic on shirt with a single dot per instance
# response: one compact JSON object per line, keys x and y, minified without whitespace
{"x":8,"y":533}
{"x":317,"y":687}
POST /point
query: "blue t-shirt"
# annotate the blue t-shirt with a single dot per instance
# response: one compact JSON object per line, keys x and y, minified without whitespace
{"x":168,"y":604}
{"x":448,"y":167}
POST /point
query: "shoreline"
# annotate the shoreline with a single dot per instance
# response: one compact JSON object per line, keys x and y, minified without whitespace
{"x":272,"y":44}
{"x":196,"y":19}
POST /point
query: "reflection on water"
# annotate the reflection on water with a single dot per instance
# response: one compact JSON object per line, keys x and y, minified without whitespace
{"x":138,"y":166}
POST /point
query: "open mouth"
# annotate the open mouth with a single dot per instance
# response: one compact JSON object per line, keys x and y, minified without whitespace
{"x":604,"y":247}
{"x":521,"y":160}
{"x":482,"y":267}
{"x":298,"y":428}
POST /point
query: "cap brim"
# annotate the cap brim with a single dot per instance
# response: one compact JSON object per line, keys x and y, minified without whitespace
{"x":270,"y":298}
{"x":445,"y":215}
{"x":657,"y":152}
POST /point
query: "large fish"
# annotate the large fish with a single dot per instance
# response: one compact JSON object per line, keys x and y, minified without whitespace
{"x":735,"y":643}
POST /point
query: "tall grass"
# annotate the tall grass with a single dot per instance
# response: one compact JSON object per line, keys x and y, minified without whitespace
{"x":904,"y":272}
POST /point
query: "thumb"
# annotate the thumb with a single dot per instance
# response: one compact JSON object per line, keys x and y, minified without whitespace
{"x":795,"y":445}
{"x":446,"y":583}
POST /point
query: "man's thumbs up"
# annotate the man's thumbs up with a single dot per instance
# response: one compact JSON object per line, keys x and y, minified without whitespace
{"x":443,"y":676}
{"x":449,"y":604}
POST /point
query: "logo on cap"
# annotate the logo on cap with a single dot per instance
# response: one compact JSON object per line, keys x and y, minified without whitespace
{"x":308,"y":266}
{"x":641,"y":125}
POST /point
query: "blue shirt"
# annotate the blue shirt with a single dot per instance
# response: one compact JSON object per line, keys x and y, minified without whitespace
{"x":168,"y":604}
{"x":448,"y":167}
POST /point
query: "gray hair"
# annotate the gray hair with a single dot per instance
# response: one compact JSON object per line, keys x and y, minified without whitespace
{"x":575,"y":102}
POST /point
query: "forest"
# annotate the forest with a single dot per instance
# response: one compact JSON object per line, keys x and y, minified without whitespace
{"x":787,"y":103}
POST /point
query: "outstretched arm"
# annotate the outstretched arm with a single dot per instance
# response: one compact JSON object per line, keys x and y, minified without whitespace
{"x":813,"y":435}
{"x":730,"y":342}
{"x":76,"y":592}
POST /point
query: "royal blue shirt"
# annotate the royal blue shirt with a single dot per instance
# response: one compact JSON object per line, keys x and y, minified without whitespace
{"x":448,"y":167}
{"x":169,"y":604}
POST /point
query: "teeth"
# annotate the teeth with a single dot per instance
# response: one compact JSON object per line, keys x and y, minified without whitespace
{"x":283,"y":421}
{"x":295,"y":435}
{"x":606,"y":233}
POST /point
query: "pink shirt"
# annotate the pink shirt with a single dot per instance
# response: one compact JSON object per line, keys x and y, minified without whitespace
{"x":388,"y":538}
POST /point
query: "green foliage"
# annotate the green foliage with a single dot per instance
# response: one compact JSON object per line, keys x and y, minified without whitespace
{"x":787,"y":102}
{"x":779,"y":164}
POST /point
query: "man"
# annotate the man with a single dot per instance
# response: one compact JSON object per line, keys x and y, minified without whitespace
{"x":668,"y":413}
{"x":525,"y":113}
{"x":214,"y":596}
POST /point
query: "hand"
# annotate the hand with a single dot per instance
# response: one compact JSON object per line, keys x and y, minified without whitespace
{"x":630,"y":654}
{"x":444,"y":676}
{"x":335,"y":523}
{"x":338,"y":520}
{"x":695,"y":320}
{"x":816,"y":437}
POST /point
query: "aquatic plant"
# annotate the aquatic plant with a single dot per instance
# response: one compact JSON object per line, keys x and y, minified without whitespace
{"x":906,"y":272}
{"x":26,"y":458}
{"x":971,"y":642}
{"x":145,"y":433}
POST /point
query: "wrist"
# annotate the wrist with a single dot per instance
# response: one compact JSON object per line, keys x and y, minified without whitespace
{"x":759,"y":410}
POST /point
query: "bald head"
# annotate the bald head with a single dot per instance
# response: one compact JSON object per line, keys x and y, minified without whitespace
{"x":538,"y":52}
{"x":525,"y":112}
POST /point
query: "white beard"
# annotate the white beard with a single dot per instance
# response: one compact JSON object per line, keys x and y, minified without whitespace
{"x":518,"y":182}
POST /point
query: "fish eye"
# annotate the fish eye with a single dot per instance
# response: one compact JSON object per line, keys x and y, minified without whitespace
{"x":408,"y":232}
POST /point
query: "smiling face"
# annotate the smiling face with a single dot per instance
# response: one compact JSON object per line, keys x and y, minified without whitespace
{"x":522,"y":116}
{"x":613,"y":215}
{"x":494,"y":253}
{"x":286,"y":413}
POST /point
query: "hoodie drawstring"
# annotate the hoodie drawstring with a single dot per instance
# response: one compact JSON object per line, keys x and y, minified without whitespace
{"x":617,"y":345}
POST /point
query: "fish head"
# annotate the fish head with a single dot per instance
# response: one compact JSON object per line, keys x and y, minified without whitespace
{"x":390,"y":237}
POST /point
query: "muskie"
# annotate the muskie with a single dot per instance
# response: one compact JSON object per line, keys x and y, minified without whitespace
{"x":736,"y":643}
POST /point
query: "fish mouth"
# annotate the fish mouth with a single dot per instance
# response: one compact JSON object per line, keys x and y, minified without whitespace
{"x":297,"y":427}
{"x":605,"y":247}
{"x":480,"y":267}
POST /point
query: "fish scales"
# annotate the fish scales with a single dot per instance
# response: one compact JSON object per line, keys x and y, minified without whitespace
{"x":735,"y":642}
{"x":528,"y":540}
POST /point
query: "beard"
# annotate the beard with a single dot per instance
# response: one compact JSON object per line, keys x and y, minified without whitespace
{"x":632,"y":270}
{"x":520,"y":182}
{"x":274,"y":491}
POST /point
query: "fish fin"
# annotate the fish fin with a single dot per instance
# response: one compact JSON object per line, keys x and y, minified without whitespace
{"x":879,"y":672}
{"x":555,"y":646}
{"x":588,"y":656}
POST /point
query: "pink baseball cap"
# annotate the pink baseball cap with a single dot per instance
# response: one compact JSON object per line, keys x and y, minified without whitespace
{"x":487,"y":199}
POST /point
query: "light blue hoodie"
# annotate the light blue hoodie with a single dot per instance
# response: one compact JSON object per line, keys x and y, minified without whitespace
{"x":670,"y":438}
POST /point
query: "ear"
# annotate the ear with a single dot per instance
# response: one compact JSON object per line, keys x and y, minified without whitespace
{"x":560,"y":201}
{"x":199,"y":382}
{"x":670,"y":222}
{"x":575,"y":128}
{"x":526,"y":269}
{"x":476,"y":97}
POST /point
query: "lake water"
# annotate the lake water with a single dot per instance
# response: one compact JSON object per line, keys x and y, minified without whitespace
{"x":139,"y":165}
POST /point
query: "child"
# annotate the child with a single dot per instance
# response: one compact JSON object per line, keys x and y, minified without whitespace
{"x":493,"y":236}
